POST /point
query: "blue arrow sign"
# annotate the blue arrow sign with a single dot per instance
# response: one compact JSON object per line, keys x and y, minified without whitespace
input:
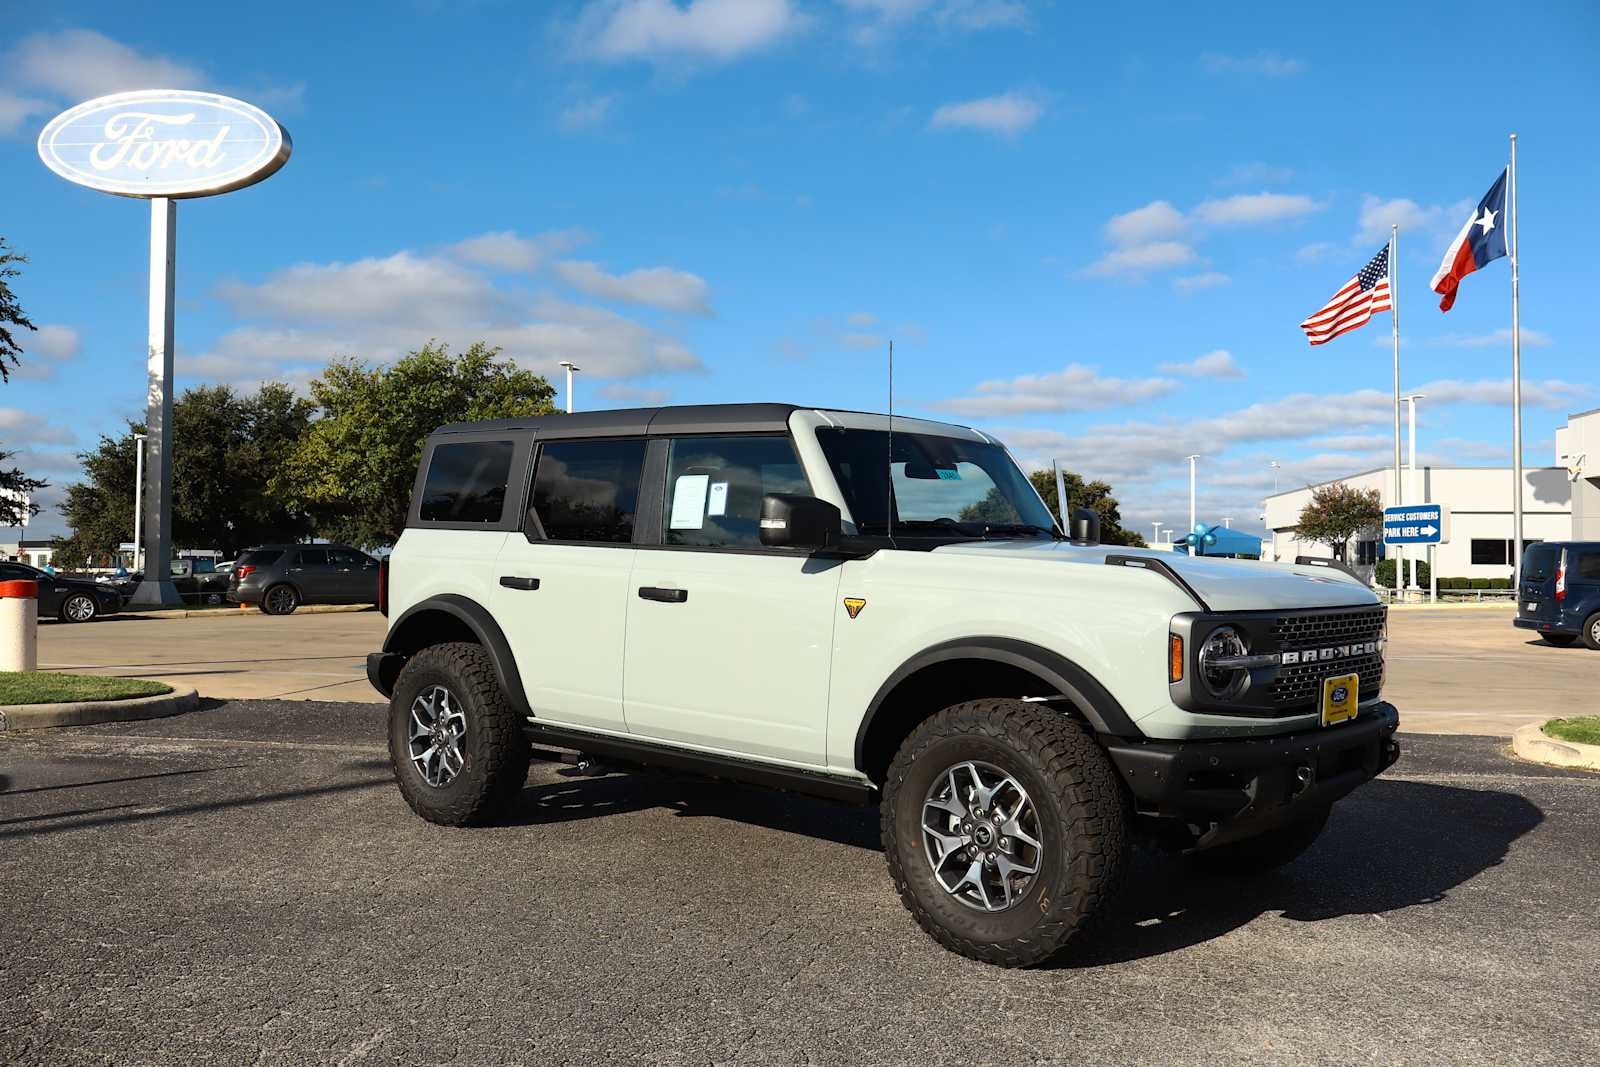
{"x":1415,"y":524}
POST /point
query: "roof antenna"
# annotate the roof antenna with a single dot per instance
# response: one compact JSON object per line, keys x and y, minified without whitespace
{"x":889,"y":471}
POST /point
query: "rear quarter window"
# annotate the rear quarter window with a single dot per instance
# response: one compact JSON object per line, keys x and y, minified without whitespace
{"x":466,"y":482}
{"x":264,"y":557}
{"x":1589,"y":566}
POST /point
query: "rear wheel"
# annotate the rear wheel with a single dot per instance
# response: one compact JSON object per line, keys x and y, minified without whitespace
{"x":455,"y":742}
{"x":1005,"y":830}
{"x":1265,"y":852}
{"x":79,"y":607}
{"x":1591,"y":631}
{"x":280,"y":600}
{"x":1559,"y":640}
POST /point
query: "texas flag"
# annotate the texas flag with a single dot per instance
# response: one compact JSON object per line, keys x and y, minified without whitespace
{"x":1481,"y":240}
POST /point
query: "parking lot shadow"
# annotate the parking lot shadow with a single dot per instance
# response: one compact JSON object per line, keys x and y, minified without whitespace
{"x":1395,"y":845}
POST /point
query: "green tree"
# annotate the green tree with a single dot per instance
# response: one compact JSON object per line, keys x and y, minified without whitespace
{"x":226,"y":449}
{"x":1080,"y":494}
{"x":16,"y":488}
{"x":1336,"y":513}
{"x":354,"y":471}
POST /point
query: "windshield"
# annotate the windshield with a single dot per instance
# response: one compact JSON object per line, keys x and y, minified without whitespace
{"x":942,"y":486}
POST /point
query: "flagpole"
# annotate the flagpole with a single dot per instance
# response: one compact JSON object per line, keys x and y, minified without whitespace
{"x":1516,"y":375}
{"x":1394,"y":315}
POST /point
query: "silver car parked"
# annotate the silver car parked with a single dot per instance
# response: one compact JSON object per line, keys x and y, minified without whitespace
{"x":282,"y":577}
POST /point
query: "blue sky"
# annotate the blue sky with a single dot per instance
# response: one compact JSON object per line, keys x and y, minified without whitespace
{"x":1091,"y":232}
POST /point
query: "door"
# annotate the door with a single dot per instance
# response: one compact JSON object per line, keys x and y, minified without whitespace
{"x":730,"y":643}
{"x":561,"y":585}
{"x":353,"y":576}
{"x":311,"y":572}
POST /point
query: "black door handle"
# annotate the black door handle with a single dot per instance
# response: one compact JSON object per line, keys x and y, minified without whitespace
{"x":511,"y":581}
{"x":666,"y":596}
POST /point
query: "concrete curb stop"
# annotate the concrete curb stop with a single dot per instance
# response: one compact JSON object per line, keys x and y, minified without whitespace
{"x":1531,"y":743}
{"x":89,"y":712}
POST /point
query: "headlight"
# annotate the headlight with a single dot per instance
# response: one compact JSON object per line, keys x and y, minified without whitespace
{"x":1222,"y":644}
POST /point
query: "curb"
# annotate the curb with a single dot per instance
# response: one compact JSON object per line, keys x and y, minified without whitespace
{"x":1531,"y":743}
{"x":235,"y":612}
{"x":89,"y":712}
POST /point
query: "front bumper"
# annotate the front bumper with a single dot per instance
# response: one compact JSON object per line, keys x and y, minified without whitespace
{"x":1237,"y":788}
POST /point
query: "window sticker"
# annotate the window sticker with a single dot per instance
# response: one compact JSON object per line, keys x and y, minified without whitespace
{"x":948,"y":476}
{"x":689,"y":501}
{"x":717,"y":502}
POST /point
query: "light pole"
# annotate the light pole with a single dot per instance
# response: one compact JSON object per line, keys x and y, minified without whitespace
{"x":1274,"y":466}
{"x":1413,"y":490}
{"x":1191,"y":491}
{"x":571,"y":367}
{"x":138,"y":497}
{"x":1227,"y":522}
{"x":1157,"y":526}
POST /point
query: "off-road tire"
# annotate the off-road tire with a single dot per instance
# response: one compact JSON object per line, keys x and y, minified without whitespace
{"x":1266,"y":852}
{"x":280,"y":605}
{"x":1083,"y":813}
{"x":496,"y":752}
{"x":68,"y":615}
{"x":1559,"y":640}
{"x":1591,"y":631}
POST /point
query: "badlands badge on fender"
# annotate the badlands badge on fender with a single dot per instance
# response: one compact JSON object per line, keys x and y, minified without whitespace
{"x":1339,"y":698}
{"x":854,"y":604}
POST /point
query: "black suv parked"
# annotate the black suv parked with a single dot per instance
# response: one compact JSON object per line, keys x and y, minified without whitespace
{"x":67,"y":599}
{"x":282,"y":577}
{"x":1560,"y":592}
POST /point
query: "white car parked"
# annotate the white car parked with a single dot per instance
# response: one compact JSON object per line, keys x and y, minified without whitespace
{"x":876,"y":612}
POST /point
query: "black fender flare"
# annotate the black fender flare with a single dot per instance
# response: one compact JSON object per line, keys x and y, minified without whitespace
{"x":1105,"y":714}
{"x":478,"y":619}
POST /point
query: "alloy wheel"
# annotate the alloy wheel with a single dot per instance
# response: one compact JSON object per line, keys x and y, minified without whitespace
{"x":437,"y":735}
{"x":79,"y":608}
{"x":280,"y":601}
{"x":981,"y":835}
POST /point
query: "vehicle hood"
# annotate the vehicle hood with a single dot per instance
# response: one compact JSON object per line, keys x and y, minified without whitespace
{"x":1224,"y":584}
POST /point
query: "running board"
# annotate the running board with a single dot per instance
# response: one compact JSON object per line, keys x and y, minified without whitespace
{"x":731,"y":768}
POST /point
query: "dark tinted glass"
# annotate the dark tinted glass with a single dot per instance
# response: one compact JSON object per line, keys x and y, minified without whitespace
{"x":12,"y":572}
{"x":348,"y":557}
{"x":587,"y":490}
{"x":715,"y":486}
{"x":1589,"y":566}
{"x":1539,"y":562}
{"x":467,"y":482}
{"x":262,"y":557}
{"x":312,"y":557}
{"x":1487,"y":551}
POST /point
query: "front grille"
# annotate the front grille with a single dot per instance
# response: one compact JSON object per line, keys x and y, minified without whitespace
{"x":1300,"y":685}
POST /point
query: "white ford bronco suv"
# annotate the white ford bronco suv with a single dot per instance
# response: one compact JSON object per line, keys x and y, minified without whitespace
{"x":872,"y":611}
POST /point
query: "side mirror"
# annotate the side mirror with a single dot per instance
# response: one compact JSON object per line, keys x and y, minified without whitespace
{"x":1085,"y":527}
{"x":790,"y":521}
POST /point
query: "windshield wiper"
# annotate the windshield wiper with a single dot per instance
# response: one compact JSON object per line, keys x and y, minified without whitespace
{"x":1005,"y":528}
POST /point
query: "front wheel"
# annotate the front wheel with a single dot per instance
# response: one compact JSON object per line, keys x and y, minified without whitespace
{"x":79,"y":607}
{"x":455,"y":742}
{"x":280,"y":600}
{"x":1005,"y":830}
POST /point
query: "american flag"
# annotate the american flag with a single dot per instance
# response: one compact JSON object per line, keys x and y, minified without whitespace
{"x":1357,"y":300}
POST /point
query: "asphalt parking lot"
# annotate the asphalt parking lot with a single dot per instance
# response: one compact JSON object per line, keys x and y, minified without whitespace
{"x":244,"y":884}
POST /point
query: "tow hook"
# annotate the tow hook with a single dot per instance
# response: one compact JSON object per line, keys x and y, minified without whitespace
{"x":1303,"y":777}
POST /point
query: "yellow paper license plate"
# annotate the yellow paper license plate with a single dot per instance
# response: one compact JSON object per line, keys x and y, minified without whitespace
{"x":1339,"y":695}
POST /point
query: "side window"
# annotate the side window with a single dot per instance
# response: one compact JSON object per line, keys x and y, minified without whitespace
{"x":1487,"y":551}
{"x":587,"y":490}
{"x":1589,"y":566}
{"x":312,"y":557}
{"x":715,"y":486}
{"x":466,"y":482}
{"x":346,"y":557}
{"x":11,"y":572}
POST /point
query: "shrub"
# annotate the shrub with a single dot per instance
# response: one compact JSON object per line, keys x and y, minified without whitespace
{"x":1480,"y":583}
{"x":1384,"y":573}
{"x":1499,"y":583}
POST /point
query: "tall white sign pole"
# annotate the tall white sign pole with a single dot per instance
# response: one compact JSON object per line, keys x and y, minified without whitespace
{"x":1516,"y":376}
{"x":156,"y":588}
{"x":1394,"y":316}
{"x":1193,"y":518}
{"x":138,"y":502}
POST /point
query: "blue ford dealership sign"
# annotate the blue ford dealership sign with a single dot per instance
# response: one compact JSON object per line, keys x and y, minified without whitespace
{"x":164,"y":143}
{"x":1416,"y":524}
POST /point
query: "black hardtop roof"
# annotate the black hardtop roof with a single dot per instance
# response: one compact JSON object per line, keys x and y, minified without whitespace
{"x":639,"y":422}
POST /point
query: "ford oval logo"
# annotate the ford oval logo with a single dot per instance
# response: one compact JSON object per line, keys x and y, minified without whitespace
{"x":1340,"y":694}
{"x":164,"y":142}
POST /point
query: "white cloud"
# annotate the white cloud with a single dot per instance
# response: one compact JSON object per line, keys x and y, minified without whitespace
{"x":1265,"y":64}
{"x":1137,"y":260}
{"x":1378,"y":214}
{"x":658,"y":287}
{"x":1218,"y":363}
{"x":885,"y":16}
{"x":1007,"y":115}
{"x":1256,"y":174}
{"x":22,"y":428}
{"x":505,"y":250}
{"x":1250,"y":209}
{"x":82,"y":63}
{"x":1314,"y":252}
{"x":1549,"y":393}
{"x":862,"y":319}
{"x":1205,"y":280}
{"x":634,"y":396}
{"x":16,"y":109}
{"x":403,"y":288}
{"x":1073,"y":388}
{"x":1156,"y":220}
{"x":1493,"y":339}
{"x":586,"y":114}
{"x":699,"y":29}
{"x":45,"y":348}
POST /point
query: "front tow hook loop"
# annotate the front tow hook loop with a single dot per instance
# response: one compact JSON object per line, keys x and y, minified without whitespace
{"x":1303,"y":776}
